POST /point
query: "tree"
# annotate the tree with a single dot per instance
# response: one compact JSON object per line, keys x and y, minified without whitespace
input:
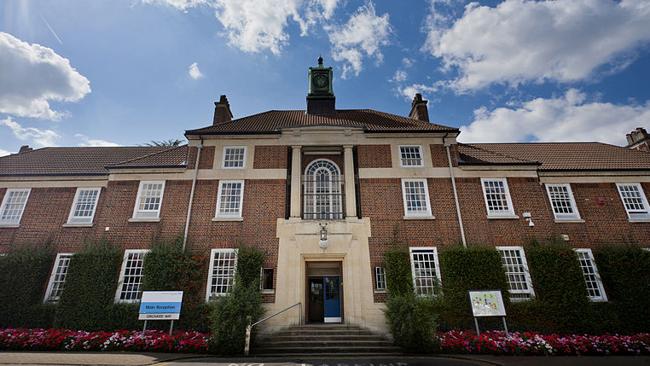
{"x":165,"y":143}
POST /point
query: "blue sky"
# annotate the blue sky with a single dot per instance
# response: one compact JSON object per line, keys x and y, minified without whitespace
{"x":101,"y":72}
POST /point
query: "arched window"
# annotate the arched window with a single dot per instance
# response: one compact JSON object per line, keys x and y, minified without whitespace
{"x":322,"y":191}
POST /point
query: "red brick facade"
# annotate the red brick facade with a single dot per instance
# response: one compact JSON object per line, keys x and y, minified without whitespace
{"x":374,"y":156}
{"x":270,"y":157}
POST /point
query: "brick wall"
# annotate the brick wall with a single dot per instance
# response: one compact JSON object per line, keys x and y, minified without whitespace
{"x":270,"y":157}
{"x":439,"y":155}
{"x":374,"y":156}
{"x":206,"y":160}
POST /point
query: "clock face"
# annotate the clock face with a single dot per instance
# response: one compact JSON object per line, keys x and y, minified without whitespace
{"x":320,"y":81}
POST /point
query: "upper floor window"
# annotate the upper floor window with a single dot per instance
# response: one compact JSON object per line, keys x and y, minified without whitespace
{"x":410,"y":156}
{"x":234,"y":157}
{"x":129,"y":286}
{"x":380,"y":279}
{"x":425,"y":270}
{"x":595,"y":288}
{"x":221,"y":275}
{"x":323,"y":191}
{"x":149,"y":200}
{"x":57,"y":278}
{"x":13,"y":205}
{"x":415,"y":195}
{"x":562,"y":201}
{"x":84,"y":206}
{"x":230,"y":199}
{"x":634,"y":200}
{"x":520,"y":285}
{"x":497,"y":197}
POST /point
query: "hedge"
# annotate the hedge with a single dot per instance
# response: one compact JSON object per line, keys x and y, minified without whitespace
{"x":397,"y":265}
{"x":91,"y":281}
{"x":23,"y":276}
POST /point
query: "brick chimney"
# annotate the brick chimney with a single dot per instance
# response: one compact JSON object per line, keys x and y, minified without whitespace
{"x":222,"y":111}
{"x":419,"y":108}
{"x":638,"y":139}
{"x":24,"y":149}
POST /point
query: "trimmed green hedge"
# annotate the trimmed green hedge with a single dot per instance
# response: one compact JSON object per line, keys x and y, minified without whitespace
{"x":91,"y":281}
{"x":399,"y":279}
{"x":23,"y":279}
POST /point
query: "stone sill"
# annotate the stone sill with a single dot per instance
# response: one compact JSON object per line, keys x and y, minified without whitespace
{"x":419,"y":217}
{"x":569,"y":221}
{"x":503,"y":217}
{"x":268,"y":292}
{"x":136,"y":219}
{"x":380,"y":291}
{"x":217,"y":219}
{"x":640,"y":219}
{"x":9,"y":226}
{"x":77,"y":225}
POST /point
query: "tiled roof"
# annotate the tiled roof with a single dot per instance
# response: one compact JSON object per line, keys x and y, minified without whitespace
{"x":173,"y":157}
{"x":567,"y":155}
{"x":474,"y":155}
{"x":71,"y":160}
{"x":367,"y":119}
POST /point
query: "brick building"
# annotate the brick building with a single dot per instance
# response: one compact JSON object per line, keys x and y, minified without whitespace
{"x":324,"y":192}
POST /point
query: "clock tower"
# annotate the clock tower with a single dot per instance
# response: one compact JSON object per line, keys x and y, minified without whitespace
{"x":320,"y":99}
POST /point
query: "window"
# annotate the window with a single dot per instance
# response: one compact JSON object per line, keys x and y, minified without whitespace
{"x":425,"y":269}
{"x":221,"y":275}
{"x":323,"y":191}
{"x":562,"y":201}
{"x":380,"y":279}
{"x":410,"y":156}
{"x":84,"y":205}
{"x":234,"y":157}
{"x":229,"y":198}
{"x":130,"y":283}
{"x":634,"y":200}
{"x":497,"y":197}
{"x":57,"y":279}
{"x":415,"y":195}
{"x":13,"y":205}
{"x":595,"y":289}
{"x":516,"y":268}
{"x":149,"y":200}
{"x":266,"y":282}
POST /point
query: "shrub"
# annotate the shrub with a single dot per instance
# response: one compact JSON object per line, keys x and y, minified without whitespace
{"x":23,"y":277}
{"x":625,"y":271}
{"x":232,"y":313}
{"x":399,"y":280}
{"x":90,"y":287}
{"x":465,"y":269}
{"x":412,"y":322}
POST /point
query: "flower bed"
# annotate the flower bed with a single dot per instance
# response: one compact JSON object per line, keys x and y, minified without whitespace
{"x":468,"y":342}
{"x":529,"y":343}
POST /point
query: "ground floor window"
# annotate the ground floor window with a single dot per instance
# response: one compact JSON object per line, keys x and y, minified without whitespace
{"x":221,"y":276}
{"x":380,"y":279}
{"x":129,"y":288}
{"x":514,"y":263}
{"x":595,"y":289}
{"x":57,"y":279}
{"x":425,"y":269}
{"x":266,"y":281}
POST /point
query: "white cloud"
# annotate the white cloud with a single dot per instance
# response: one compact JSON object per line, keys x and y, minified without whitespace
{"x":566,"y":118}
{"x":399,"y":76}
{"x":364,"y":33}
{"x":32,"y":76}
{"x":87,"y":141}
{"x":37,"y":136}
{"x":182,"y":5}
{"x":4,"y":152}
{"x":409,"y":91}
{"x":194,"y":71}
{"x":521,"y":41}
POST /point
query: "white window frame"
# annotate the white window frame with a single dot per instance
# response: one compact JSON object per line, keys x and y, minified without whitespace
{"x":267,"y":290}
{"x":5,"y":202}
{"x":574,"y":207}
{"x":401,"y":158}
{"x":524,"y":263}
{"x":436,"y":263}
{"x":50,"y":284}
{"x":408,"y":214}
{"x":120,"y":281}
{"x":238,"y":215}
{"x":596,"y":274}
{"x":208,"y":293}
{"x":642,"y":215}
{"x":380,"y":276}
{"x":137,"y":211}
{"x":75,"y":202}
{"x":498,"y":214}
{"x":223,"y":157}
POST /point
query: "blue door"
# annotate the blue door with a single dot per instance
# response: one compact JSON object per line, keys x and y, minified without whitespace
{"x":332,"y":299}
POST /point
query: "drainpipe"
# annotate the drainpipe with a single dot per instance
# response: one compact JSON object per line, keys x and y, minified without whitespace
{"x":189,"y":206}
{"x":453,"y":186}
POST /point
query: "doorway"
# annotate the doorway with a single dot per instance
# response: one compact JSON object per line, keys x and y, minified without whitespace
{"x":324,"y":292}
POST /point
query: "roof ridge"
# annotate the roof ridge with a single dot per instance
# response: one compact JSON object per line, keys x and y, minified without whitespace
{"x":147,"y":155}
{"x":500,"y":154}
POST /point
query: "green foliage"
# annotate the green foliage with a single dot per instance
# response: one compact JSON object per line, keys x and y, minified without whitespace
{"x":465,"y":269}
{"x":233,"y":312}
{"x":23,"y":277}
{"x":399,"y":280}
{"x":90,"y":287}
{"x":625,"y":271}
{"x":412,"y":321}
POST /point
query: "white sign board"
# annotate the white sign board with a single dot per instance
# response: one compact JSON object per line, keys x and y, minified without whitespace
{"x":160,"y":305}
{"x":487,"y":303}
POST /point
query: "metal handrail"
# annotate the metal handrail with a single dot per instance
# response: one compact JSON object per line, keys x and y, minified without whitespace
{"x":250,"y":326}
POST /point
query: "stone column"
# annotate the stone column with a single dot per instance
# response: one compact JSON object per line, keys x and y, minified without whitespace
{"x":296,"y":172}
{"x":350,"y":197}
